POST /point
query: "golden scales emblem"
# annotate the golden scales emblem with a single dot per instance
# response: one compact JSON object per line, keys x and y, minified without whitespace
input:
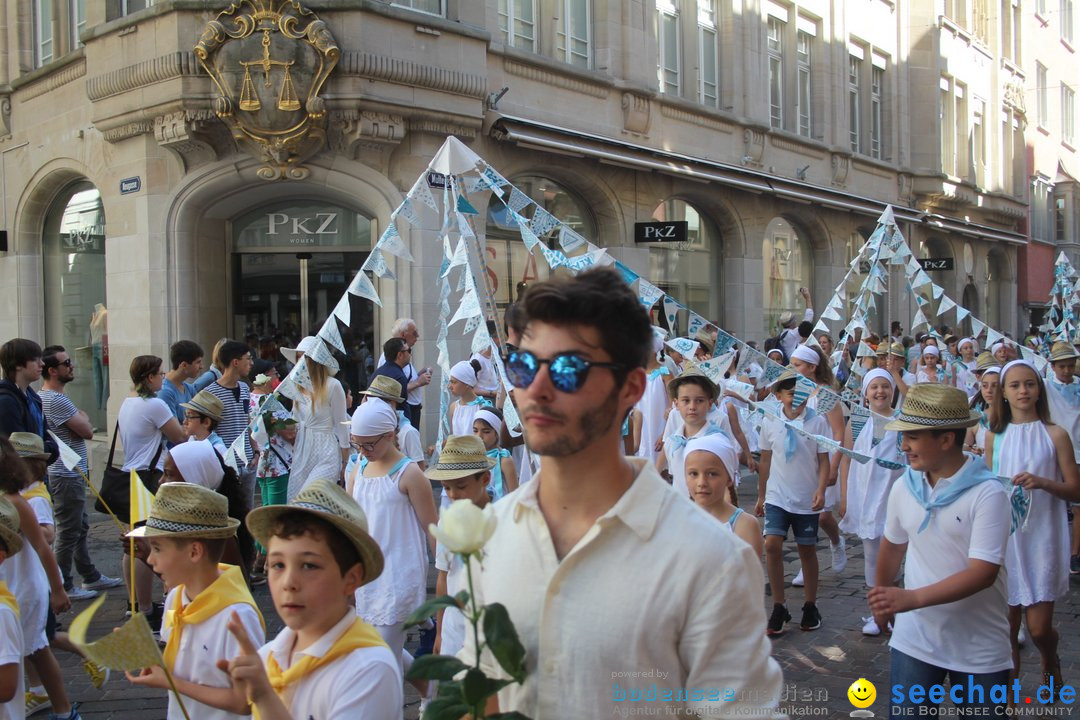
{"x":262,"y":108}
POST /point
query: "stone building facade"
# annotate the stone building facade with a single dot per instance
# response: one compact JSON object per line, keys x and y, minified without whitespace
{"x":778,"y":130}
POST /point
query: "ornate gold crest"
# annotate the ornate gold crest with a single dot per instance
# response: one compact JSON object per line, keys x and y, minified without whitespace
{"x":269,"y":60}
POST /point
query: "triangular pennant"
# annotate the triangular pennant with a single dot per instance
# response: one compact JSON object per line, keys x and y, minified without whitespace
{"x":322,"y":355}
{"x":919,"y":319}
{"x":421,"y":192}
{"x":554,"y":258}
{"x":977,"y":327}
{"x":518,"y":200}
{"x":671,"y":309}
{"x":376,"y":264}
{"x":407,"y":211}
{"x":946,"y":305}
{"x":342,"y":311}
{"x":588,"y":260}
{"x":392,"y":242}
{"x":330,"y":333}
{"x":628,"y":275}
{"x":830,"y":314}
{"x":569,"y":240}
{"x":992,"y":336}
{"x":961,"y":313}
{"x":464,"y":206}
{"x":937,"y":291}
{"x":696,"y":324}
{"x":724,"y":342}
{"x":461,"y":254}
{"x":648,"y":293}
{"x":527,"y":235}
{"x":542,"y":221}
{"x":469,"y":307}
{"x":362,"y":287}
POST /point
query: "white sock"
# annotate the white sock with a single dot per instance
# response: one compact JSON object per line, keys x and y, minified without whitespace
{"x":38,"y":690}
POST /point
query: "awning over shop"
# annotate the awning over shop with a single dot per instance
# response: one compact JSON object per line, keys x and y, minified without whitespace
{"x":564,"y":141}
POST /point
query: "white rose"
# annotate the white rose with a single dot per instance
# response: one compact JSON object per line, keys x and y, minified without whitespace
{"x":464,"y":528}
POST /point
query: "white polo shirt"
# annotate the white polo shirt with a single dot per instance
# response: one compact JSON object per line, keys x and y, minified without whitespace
{"x":11,"y":652}
{"x":970,"y":635}
{"x":201,"y":646}
{"x":792,"y":483}
{"x":627,"y":601}
{"x":366,"y":683}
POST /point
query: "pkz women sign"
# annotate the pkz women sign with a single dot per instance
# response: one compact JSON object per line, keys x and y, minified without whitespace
{"x":672,"y":231}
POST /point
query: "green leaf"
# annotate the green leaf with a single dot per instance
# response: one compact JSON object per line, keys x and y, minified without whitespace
{"x":428,"y":609}
{"x":435,"y":667}
{"x":477,"y":687}
{"x":502,"y":640}
{"x":445,"y":709}
{"x":462,"y":598}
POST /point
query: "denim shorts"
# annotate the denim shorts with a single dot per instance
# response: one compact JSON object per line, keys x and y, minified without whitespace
{"x":803,"y":527}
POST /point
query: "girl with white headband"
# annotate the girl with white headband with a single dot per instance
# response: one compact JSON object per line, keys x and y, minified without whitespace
{"x":1000,"y":351}
{"x":396,"y":498}
{"x":930,"y":369}
{"x":965,"y":368}
{"x":488,"y":425}
{"x":1024,"y":445}
{"x":711,"y":464}
{"x":989,"y":387}
{"x":865,"y":486}
{"x":809,"y":362}
{"x":463,"y":387}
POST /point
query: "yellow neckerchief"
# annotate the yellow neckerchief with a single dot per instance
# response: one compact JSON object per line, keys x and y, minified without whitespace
{"x":359,"y":635}
{"x":228,"y":589}
{"x":38,"y":489}
{"x":6,"y":598}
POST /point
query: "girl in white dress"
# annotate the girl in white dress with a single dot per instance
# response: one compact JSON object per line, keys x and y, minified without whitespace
{"x":463,"y":387}
{"x":989,"y":387}
{"x":396,"y":498}
{"x":965,"y":368}
{"x":930,"y":370}
{"x":654,"y":403}
{"x":322,"y":441}
{"x":710,"y":465}
{"x":1024,"y":445}
{"x":865,"y":486}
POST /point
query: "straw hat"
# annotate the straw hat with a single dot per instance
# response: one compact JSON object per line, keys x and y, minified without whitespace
{"x":304,"y":346}
{"x":325,"y":500}
{"x":691,"y":372}
{"x":28,"y":445}
{"x":461,"y":456}
{"x":897,"y":349}
{"x":184,"y":510}
{"x":1062,"y":351}
{"x":9,"y":527}
{"x":985,"y":360}
{"x":931,"y":406}
{"x":206,"y":403}
{"x":384,"y":387}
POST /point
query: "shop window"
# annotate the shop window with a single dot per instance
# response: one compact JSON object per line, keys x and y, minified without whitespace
{"x":687,"y":270}
{"x":785,"y":257}
{"x":73,"y":262}
{"x":509,"y":266}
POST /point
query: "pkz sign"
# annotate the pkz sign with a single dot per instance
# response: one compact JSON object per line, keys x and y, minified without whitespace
{"x":303,"y":230}
{"x":669,"y":231}
{"x":931,"y":264}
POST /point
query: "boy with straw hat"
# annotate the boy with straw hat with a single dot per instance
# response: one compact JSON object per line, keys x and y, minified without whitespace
{"x":327,"y":662}
{"x":464,"y":469}
{"x":12,"y":701}
{"x":949,"y":517}
{"x":188,"y":528}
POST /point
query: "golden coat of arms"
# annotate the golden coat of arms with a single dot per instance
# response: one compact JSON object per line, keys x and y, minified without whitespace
{"x":269,"y":60}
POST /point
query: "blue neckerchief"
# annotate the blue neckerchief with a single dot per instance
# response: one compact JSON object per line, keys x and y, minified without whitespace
{"x":658,"y":372}
{"x":402,"y":420}
{"x":971,"y":474}
{"x":1019,"y":499}
{"x":791,"y":440}
{"x":1070,"y":392}
{"x":497,"y":486}
{"x":626,"y":426}
{"x":678,"y":440}
{"x":481,"y":401}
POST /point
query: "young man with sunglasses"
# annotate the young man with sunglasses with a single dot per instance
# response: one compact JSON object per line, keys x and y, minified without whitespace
{"x":620,"y":589}
{"x":68,"y":488}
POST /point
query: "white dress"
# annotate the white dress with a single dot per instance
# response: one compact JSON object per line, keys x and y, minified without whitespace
{"x":1064,"y":404}
{"x":869,"y":484}
{"x":392,"y":522}
{"x":320,"y":437}
{"x":654,"y":401}
{"x":462,"y":419}
{"x":1037,"y":559}
{"x":25,"y":577}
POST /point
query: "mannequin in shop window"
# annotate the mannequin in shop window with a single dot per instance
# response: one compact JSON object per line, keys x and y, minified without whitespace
{"x":99,"y":343}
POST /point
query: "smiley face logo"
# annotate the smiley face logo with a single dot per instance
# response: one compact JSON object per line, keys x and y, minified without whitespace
{"x":862,"y":693}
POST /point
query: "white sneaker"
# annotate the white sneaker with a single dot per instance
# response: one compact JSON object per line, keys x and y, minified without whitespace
{"x":871,"y":627}
{"x":839,"y":556}
{"x":103,"y":583}
{"x":79,"y":593}
{"x":798,"y":581}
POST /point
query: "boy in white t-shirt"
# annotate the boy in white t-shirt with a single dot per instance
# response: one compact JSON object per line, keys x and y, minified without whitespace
{"x":949,"y":517}
{"x":327,"y":662}
{"x":464,"y":469}
{"x":12,"y":699}
{"x":792,"y":476}
{"x":188,"y":528}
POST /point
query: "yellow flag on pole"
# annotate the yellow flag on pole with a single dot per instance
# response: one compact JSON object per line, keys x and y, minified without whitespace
{"x":141,"y":499}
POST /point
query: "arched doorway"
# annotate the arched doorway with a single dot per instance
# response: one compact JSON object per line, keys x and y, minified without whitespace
{"x":970,"y":302}
{"x":76,"y":315}
{"x":994,"y":273}
{"x":688,"y":271}
{"x":786,"y":261}
{"x":292,"y":261}
{"x":511,"y":268}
